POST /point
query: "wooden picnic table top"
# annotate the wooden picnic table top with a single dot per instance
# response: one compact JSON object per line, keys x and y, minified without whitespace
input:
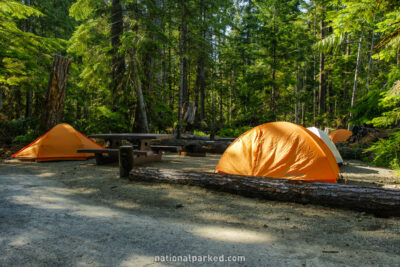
{"x":132,"y":136}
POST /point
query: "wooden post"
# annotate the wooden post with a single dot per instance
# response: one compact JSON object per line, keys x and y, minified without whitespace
{"x":125,"y":160}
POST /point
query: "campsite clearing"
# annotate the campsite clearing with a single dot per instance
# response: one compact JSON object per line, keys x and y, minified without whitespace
{"x":90,"y":209}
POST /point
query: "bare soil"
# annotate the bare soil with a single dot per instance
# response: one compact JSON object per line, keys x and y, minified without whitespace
{"x":268,"y":233}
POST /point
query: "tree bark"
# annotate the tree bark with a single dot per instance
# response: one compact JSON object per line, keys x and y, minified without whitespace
{"x":125,"y":159}
{"x":297,"y":105}
{"x":1,"y":100}
{"x":28,"y":106}
{"x":118,"y":61}
{"x":139,"y":92}
{"x":182,"y":67}
{"x":370,"y":61}
{"x":54,"y":106}
{"x":314,"y":69}
{"x":201,"y":74}
{"x":322,"y":85}
{"x":353,"y":95}
{"x":29,"y":92}
{"x":273,"y":89}
{"x":380,"y":201}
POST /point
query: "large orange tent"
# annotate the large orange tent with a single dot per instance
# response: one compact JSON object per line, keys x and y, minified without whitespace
{"x":60,"y":143}
{"x":340,"y":135}
{"x":280,"y":150}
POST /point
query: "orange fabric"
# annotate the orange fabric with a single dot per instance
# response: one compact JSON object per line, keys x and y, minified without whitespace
{"x":280,"y":150}
{"x":341,"y":135}
{"x":60,"y":143}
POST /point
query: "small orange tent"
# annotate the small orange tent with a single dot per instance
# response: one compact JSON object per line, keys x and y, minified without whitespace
{"x":280,"y":150}
{"x":341,"y":135}
{"x":60,"y":143}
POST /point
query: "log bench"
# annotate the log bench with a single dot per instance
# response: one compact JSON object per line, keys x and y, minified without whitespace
{"x":110,"y":155}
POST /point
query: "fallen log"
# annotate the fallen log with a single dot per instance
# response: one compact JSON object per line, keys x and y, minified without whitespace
{"x":379,"y":201}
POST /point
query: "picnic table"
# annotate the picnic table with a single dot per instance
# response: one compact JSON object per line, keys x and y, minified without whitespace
{"x":143,"y":141}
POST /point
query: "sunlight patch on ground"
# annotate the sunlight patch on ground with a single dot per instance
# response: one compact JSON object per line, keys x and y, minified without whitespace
{"x":96,"y":212}
{"x":233,"y":235}
{"x":220,"y":217}
{"x":137,"y":260}
{"x":67,"y":191}
{"x":27,"y":200}
{"x":126,"y":204}
{"x":20,"y":241}
{"x":47,"y":174}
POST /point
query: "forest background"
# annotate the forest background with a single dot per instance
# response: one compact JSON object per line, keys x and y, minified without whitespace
{"x":137,"y":64}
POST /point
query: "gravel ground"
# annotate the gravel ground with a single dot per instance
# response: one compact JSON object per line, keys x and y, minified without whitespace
{"x":77,"y":213}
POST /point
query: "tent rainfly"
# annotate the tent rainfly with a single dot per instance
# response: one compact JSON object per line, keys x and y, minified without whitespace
{"x":59,"y":143}
{"x":280,"y":150}
{"x":321,"y":134}
{"x":340,"y":135}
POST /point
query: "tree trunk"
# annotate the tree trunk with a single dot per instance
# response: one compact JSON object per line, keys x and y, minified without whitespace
{"x":28,"y":106}
{"x":17,"y":103}
{"x":182,"y":67}
{"x":353,"y":95}
{"x":139,"y":92}
{"x":304,"y":88}
{"x":1,"y":100}
{"x":322,"y":85}
{"x":370,"y":61}
{"x":171,"y":94}
{"x":202,"y":88}
{"x":297,"y":105}
{"x":273,"y":89}
{"x":54,"y":106}
{"x":202,"y":72}
{"x":380,"y":201}
{"x":328,"y":92}
{"x":346,"y":66}
{"x":314,"y":69}
{"x":29,"y":92}
{"x":118,"y":62}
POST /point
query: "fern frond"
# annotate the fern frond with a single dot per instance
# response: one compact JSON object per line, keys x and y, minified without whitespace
{"x":329,"y":43}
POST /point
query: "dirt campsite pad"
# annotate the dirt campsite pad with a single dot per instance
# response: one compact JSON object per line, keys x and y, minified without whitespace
{"x":77,"y":213}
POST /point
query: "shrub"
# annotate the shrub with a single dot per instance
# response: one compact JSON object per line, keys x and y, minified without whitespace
{"x":9,"y":130}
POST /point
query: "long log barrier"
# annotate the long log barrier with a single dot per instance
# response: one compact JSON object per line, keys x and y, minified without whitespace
{"x":379,"y":201}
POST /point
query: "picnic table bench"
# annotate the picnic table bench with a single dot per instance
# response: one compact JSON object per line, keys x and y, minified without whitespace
{"x":110,"y":155}
{"x":166,"y":148}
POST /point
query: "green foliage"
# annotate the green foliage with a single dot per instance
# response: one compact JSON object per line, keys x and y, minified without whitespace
{"x":332,"y":42}
{"x":387,"y":151}
{"x":106,"y":120}
{"x":18,"y":130}
{"x":367,"y":108}
{"x":26,"y":138}
{"x":390,"y":102}
{"x":200,"y":133}
{"x":234,"y":131}
{"x":256,"y":61}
